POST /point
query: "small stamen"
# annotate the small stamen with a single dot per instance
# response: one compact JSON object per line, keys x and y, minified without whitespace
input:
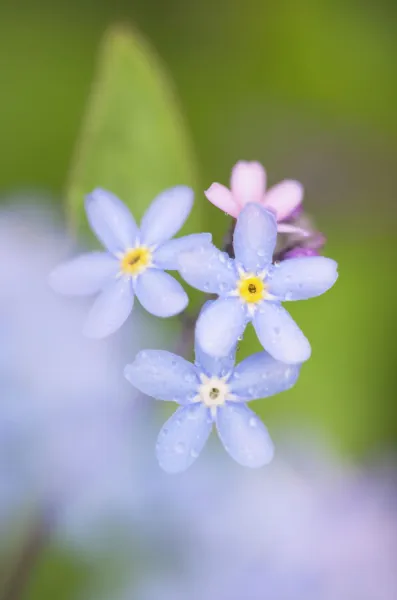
{"x":214,"y":393}
{"x":251,"y":288}
{"x":135,"y":260}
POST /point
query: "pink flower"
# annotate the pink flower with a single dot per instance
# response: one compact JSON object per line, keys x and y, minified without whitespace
{"x":248,"y":184}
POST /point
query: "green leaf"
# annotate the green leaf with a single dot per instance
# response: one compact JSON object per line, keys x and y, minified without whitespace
{"x":134,"y":141}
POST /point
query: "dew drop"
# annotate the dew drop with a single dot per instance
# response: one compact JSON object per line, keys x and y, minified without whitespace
{"x":194,"y":453}
{"x":261,"y":252}
{"x":253,"y":422}
{"x":180,"y":448}
{"x":189,"y":377}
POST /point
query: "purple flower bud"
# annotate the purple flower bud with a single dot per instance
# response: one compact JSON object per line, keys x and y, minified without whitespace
{"x":301,"y":252}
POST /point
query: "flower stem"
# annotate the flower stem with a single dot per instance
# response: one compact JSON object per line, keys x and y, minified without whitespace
{"x":19,"y":577}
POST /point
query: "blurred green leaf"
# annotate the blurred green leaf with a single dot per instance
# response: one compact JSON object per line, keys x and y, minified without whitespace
{"x":133,"y":141}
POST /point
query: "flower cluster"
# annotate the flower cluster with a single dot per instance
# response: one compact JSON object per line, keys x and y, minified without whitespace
{"x":250,"y":286}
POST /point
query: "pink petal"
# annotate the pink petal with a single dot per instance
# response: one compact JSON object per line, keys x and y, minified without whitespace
{"x":221,"y":197}
{"x":284,"y":197}
{"x":287,"y":228}
{"x":248,"y":182}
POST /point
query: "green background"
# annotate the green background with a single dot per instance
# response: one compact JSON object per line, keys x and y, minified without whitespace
{"x":308,"y":88}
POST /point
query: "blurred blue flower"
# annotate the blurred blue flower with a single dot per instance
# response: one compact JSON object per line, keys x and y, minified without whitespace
{"x":250,"y":288}
{"x":314,"y":527}
{"x":211,"y":391}
{"x":134,"y":262}
{"x":68,"y":424}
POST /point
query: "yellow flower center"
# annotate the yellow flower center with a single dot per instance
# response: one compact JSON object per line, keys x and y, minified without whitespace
{"x":136,"y":260}
{"x":251,"y":289}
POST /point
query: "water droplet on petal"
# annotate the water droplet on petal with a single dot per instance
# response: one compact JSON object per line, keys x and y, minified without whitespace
{"x":261,"y":252}
{"x":253,"y":422}
{"x":189,"y":377}
{"x":180,"y":448}
{"x":194,"y":453}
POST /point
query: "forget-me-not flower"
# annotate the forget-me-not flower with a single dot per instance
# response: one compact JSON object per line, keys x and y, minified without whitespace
{"x":211,"y":391}
{"x":251,"y":288}
{"x":248,"y":184}
{"x":134,"y":262}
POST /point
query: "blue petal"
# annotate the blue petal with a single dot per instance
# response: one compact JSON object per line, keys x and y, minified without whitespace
{"x":301,"y":278}
{"x":243,"y":435}
{"x":183,"y":437}
{"x":255,"y":237}
{"x":111,"y":309}
{"x":84,"y":275}
{"x":167,"y":255}
{"x":111,"y":221}
{"x":209,"y":270}
{"x":219,"y":327}
{"x":163,"y":375}
{"x":260,"y":376}
{"x":166,"y":215}
{"x":211,"y":366}
{"x":160,"y":294}
{"x":280,"y":335}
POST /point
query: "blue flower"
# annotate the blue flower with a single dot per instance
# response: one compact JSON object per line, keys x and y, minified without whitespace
{"x":211,"y":391}
{"x":251,"y":288}
{"x":134,"y":262}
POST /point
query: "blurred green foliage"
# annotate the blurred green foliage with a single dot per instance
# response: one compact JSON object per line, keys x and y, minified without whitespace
{"x":133,"y":139}
{"x":308,"y":88}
